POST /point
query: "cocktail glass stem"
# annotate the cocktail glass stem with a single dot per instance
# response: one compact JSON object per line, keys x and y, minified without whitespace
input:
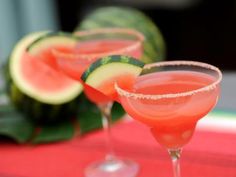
{"x":175,"y":156}
{"x":106,"y":122}
{"x":111,"y":166}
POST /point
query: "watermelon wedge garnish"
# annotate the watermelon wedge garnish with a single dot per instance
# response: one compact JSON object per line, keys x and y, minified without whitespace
{"x":105,"y":72}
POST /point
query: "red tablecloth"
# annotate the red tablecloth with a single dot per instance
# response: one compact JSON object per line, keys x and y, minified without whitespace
{"x":209,"y":154}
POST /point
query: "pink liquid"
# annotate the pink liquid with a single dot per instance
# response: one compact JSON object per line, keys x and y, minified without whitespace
{"x":88,"y":52}
{"x":172,"y":120}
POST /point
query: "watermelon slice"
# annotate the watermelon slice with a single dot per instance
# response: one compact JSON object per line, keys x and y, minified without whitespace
{"x":35,"y":84}
{"x":105,"y":72}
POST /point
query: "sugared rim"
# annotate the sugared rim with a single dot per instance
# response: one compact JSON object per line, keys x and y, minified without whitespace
{"x":138,"y":43}
{"x":174,"y":95}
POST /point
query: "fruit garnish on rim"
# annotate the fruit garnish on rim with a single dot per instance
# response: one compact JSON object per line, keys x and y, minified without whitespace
{"x":105,"y":72}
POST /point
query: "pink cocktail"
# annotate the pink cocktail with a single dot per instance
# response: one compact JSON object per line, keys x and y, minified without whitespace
{"x":91,"y":46}
{"x":170,"y":97}
{"x":94,"y":44}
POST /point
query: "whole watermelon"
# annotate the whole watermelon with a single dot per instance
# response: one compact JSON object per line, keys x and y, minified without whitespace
{"x":154,"y":45}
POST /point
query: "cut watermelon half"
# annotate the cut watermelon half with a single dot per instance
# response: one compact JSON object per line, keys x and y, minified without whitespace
{"x":105,"y":72}
{"x":34,"y":72}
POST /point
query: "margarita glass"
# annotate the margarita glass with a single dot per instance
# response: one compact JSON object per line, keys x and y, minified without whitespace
{"x":170,"y":97}
{"x":92,"y":45}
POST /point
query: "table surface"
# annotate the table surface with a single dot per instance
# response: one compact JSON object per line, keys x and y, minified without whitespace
{"x":209,"y":154}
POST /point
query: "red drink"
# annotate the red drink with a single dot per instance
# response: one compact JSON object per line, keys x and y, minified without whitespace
{"x":74,"y":62}
{"x":172,"y":125}
{"x":87,"y":52}
{"x":170,"y":97}
{"x":93,"y":45}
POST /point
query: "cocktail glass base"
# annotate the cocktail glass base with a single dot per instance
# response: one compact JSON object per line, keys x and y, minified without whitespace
{"x":113,"y":168}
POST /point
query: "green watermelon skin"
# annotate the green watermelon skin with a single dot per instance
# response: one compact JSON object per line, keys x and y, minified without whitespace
{"x":126,"y":17}
{"x":50,"y":35}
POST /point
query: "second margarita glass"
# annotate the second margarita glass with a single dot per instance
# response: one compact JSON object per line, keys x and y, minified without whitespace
{"x":170,"y":97}
{"x":94,"y":44}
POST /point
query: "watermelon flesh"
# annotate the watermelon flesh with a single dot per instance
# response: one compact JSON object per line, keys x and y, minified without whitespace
{"x":47,"y":56}
{"x":106,"y":92}
{"x":43,"y":76}
{"x":95,"y":96}
{"x":35,"y":85}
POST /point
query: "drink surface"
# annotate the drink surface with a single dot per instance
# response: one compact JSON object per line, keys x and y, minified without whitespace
{"x":96,"y":47}
{"x":172,"y":120}
{"x":87,"y":52}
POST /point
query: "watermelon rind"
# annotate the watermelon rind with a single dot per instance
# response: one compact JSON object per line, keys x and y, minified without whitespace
{"x":127,"y":17}
{"x":51,"y":39}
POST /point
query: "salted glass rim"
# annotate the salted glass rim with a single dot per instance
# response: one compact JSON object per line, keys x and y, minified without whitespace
{"x":209,"y":87}
{"x":129,"y":31}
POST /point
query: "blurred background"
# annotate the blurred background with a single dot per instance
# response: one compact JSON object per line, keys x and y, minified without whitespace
{"x":193,"y":29}
{"x":201,"y":30}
